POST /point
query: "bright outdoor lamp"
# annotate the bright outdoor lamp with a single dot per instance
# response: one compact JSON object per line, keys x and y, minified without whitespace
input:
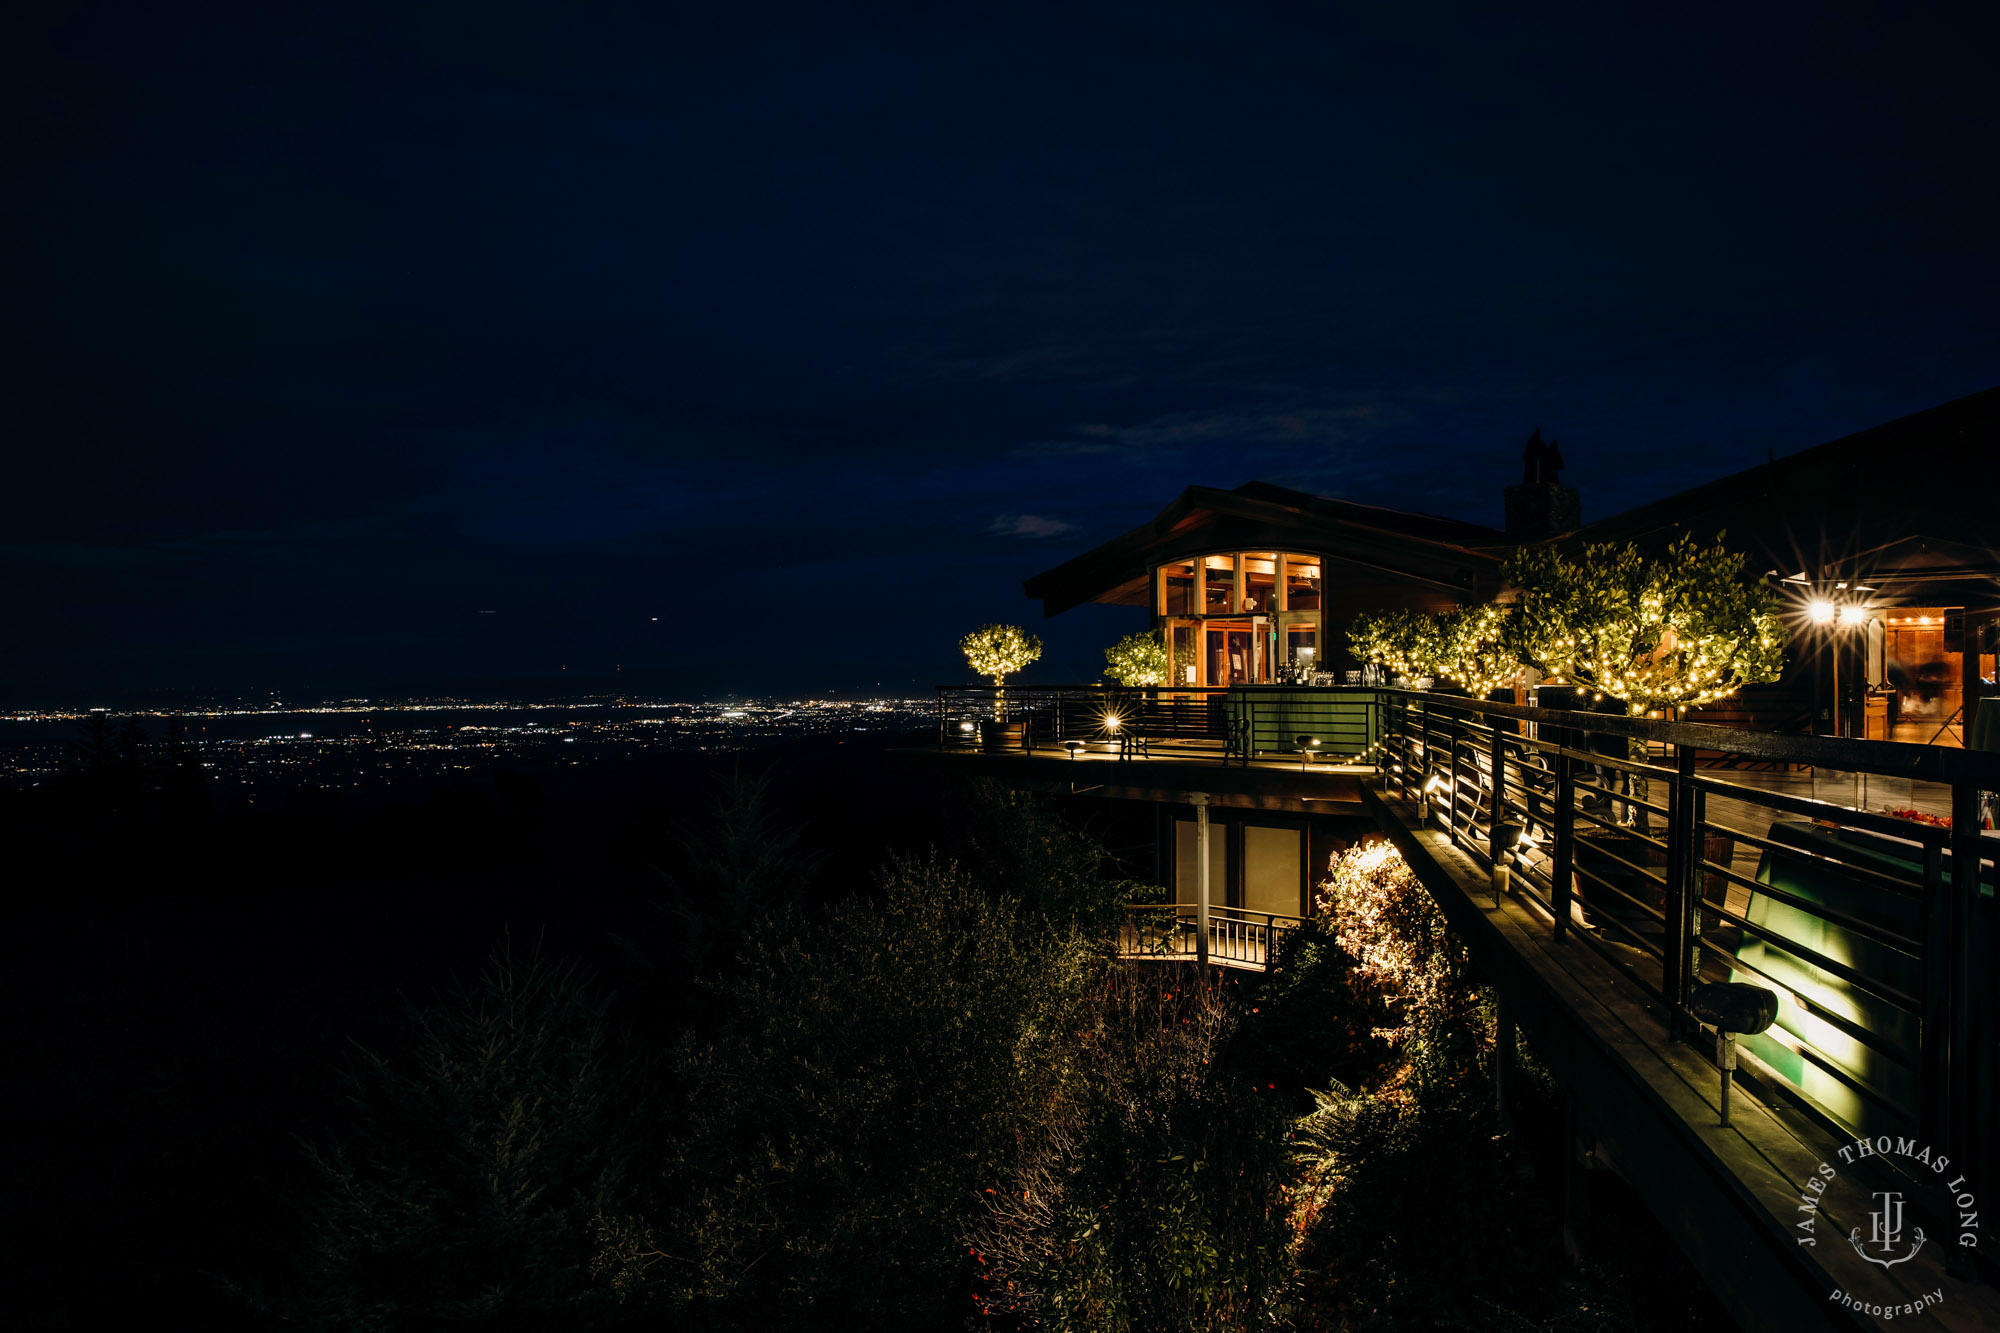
{"x":1852,"y":615}
{"x":1819,"y":611}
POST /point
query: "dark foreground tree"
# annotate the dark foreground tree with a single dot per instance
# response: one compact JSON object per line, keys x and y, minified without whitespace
{"x":482,"y":1155}
{"x":729,"y":872}
{"x":878,"y":1072}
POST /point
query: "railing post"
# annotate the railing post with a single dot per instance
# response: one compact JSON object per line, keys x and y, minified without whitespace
{"x":1675,"y":983}
{"x":1200,"y":800}
{"x":1455,"y":729}
{"x":1563,"y":829}
{"x":1964,"y":1132}
{"x":1496,"y":760}
{"x":1934,"y":1048}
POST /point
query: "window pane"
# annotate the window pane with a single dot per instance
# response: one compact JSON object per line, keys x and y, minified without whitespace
{"x":1260,"y":582}
{"x":1301,"y":647}
{"x":1186,"y":866}
{"x":1221,"y":584}
{"x":1302,"y":582}
{"x":1180,"y":587}
{"x":1186,"y":663}
{"x":1271,"y":862}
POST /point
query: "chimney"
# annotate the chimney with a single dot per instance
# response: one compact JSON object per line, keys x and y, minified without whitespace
{"x":1541,"y":506}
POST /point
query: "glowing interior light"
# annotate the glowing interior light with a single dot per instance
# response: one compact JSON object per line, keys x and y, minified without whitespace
{"x":1853,"y":615}
{"x":1819,"y":611}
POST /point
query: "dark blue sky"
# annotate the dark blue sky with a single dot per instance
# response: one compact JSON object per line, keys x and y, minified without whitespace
{"x":812,"y":331}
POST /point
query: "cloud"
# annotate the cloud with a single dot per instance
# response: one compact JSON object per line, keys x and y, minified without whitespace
{"x":1031,"y":526}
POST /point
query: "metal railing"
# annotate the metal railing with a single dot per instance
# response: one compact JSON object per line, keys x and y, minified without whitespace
{"x":1876,"y":932}
{"x":1170,"y":931}
{"x":1223,"y":725}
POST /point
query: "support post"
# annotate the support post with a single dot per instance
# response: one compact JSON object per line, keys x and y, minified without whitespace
{"x":1200,"y":800}
{"x":1503,"y":1061}
{"x":1579,"y":1159}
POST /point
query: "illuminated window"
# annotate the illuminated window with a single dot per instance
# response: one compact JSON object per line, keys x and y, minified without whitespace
{"x":1179,"y":580}
{"x":1260,"y":582}
{"x":1302,"y":585}
{"x":1221,"y":585}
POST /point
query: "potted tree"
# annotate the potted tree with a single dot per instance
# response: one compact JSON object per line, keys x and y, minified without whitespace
{"x":997,"y":652}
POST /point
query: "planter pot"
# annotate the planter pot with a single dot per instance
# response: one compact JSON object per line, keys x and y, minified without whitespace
{"x":1003,"y":736}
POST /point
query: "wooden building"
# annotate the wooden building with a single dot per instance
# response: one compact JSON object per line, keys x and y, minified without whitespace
{"x":1255,"y":585}
{"x":1886,"y":545}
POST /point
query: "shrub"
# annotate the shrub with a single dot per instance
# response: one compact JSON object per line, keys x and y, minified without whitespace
{"x":1151,"y":1197}
{"x":879,"y":1068}
{"x":1390,"y":926}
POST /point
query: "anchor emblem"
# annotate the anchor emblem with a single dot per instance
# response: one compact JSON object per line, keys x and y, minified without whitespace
{"x":1886,"y":1231}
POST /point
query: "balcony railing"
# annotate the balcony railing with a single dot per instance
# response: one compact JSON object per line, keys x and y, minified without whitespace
{"x":1225,"y":725}
{"x":1170,"y":931}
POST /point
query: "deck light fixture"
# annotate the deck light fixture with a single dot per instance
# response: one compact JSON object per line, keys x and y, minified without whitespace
{"x":1112,"y":721}
{"x":1819,"y":611}
{"x":1853,"y":614}
{"x":1507,"y":839}
{"x":1072,"y":747}
{"x":1427,"y":794}
{"x":1734,"y":1009}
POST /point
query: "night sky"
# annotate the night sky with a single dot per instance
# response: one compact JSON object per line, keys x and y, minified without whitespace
{"x":753,"y":348}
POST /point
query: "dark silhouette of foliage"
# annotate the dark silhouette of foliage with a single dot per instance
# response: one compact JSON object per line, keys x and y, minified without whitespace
{"x":1313,"y":1019}
{"x":879,"y":1069}
{"x":1152,"y":1194}
{"x":1018,"y":846}
{"x":466,"y":1196}
{"x":731,"y":872}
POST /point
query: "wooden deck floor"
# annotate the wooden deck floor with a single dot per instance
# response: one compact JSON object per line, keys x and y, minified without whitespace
{"x":1728,"y":1196}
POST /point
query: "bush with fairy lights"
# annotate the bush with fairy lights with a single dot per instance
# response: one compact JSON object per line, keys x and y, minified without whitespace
{"x":1137,"y":660}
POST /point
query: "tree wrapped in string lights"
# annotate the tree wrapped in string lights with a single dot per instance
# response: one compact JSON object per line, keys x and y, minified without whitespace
{"x":1137,"y":660}
{"x":1664,"y":634}
{"x":998,"y":651}
{"x":1406,"y":643}
{"x":1475,"y":650}
{"x":1468,"y":645}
